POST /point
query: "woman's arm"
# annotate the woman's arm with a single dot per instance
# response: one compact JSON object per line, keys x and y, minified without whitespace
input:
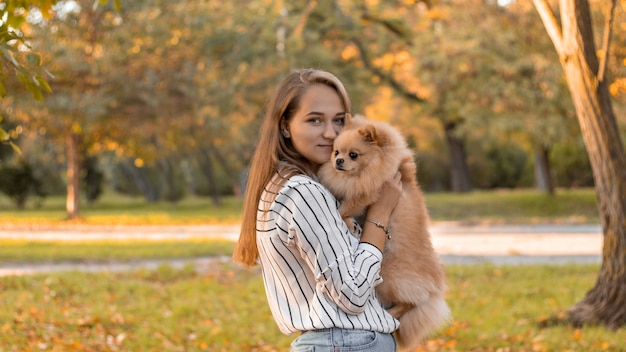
{"x":381,"y":212}
{"x":346,"y":273}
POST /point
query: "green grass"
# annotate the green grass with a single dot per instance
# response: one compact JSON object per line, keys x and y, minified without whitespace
{"x":225,"y":309}
{"x":515,"y":206}
{"x":22,"y":251}
{"x":123,"y":210}
{"x":506,"y":206}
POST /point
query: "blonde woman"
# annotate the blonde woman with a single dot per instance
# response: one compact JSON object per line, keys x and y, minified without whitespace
{"x":319,"y":279}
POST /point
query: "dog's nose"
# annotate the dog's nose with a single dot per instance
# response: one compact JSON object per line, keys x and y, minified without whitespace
{"x":339,"y":162}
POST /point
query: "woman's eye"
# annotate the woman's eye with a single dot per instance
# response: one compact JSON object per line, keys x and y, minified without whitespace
{"x":353,"y":155}
{"x":340,"y":121}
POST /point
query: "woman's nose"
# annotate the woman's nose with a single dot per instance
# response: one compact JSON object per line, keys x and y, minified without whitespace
{"x":330,"y":131}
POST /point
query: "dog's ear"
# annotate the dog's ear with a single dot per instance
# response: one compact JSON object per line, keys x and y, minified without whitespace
{"x":348,"y":120}
{"x":368,"y":132}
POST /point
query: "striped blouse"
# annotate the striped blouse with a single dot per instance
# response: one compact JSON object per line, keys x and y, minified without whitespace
{"x":316,"y":274}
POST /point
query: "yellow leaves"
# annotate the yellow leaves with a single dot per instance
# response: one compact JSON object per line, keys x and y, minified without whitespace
{"x":215,"y":331}
{"x":456,"y":326}
{"x":447,"y":339}
{"x":539,"y":346}
{"x":439,"y":13}
{"x":618,"y":86}
{"x":372,"y":3}
{"x":399,"y":59}
{"x":604,"y":345}
{"x":96,"y":50}
{"x":76,"y":128}
{"x":386,"y":62}
{"x":349,"y":52}
{"x":524,"y":337}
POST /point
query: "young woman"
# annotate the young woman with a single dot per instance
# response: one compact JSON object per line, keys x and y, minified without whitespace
{"x":319,"y":279}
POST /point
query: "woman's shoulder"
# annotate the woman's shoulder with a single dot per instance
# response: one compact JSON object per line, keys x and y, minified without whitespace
{"x":301,"y":180}
{"x":303,"y":183}
{"x":298,"y":183}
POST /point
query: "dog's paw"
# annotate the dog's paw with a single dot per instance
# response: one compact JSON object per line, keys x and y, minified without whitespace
{"x":353,"y":226}
{"x":398,"y":310}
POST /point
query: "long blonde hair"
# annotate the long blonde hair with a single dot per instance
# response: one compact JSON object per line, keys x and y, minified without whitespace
{"x":275,"y":153}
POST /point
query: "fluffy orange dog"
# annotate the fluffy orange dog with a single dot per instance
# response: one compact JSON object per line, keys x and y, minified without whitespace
{"x":366,"y":154}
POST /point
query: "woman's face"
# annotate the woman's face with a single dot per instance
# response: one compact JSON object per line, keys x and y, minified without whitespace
{"x":316,"y":123}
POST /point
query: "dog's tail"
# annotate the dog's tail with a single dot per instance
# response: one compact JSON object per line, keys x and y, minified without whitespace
{"x":421,"y":321}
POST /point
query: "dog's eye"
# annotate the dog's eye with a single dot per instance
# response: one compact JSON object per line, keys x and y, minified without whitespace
{"x":353,"y":155}
{"x":336,"y":152}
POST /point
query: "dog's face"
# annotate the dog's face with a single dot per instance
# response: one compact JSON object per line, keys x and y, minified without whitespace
{"x":357,"y":149}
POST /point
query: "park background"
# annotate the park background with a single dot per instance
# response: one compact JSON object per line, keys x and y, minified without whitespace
{"x":163,"y":99}
{"x":146,"y":112}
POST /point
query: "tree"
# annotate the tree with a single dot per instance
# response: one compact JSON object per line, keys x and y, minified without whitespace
{"x":573,"y":39}
{"x":417,"y":49}
{"x":72,"y":116}
{"x":80,"y":98}
{"x":194,"y":70}
{"x":15,"y":55}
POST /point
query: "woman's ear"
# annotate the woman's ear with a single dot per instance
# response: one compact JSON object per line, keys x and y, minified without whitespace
{"x":284,"y":130}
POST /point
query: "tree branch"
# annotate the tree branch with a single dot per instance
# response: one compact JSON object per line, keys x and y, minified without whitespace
{"x":552,"y":26}
{"x":399,"y":88}
{"x":394,"y":26}
{"x":297,"y":32}
{"x":606,"y":39}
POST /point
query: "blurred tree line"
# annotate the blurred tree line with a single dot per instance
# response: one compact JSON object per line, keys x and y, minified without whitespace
{"x":161,"y":99}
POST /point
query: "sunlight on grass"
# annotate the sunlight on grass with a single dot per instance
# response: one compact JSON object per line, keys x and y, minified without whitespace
{"x":114,"y":209}
{"x":22,"y":251}
{"x":515,"y":206}
{"x":503,"y":206}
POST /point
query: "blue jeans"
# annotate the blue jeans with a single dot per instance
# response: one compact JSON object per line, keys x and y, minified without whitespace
{"x":343,"y":340}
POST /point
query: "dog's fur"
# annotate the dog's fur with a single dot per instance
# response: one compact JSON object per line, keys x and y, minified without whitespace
{"x":367,"y":154}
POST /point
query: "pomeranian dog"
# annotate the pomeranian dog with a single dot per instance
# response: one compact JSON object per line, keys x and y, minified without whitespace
{"x":365,"y":155}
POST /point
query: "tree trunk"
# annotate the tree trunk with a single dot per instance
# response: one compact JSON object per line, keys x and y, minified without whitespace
{"x":73,"y":175}
{"x":543,"y":170}
{"x":140,"y":179}
{"x":207,"y":169}
{"x":459,"y":172}
{"x":605,"y":303}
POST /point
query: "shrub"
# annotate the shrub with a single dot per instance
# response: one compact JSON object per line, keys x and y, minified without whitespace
{"x":18,"y":182}
{"x":92,"y":179}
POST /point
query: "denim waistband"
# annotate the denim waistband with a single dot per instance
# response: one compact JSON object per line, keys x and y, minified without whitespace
{"x":332,"y":338}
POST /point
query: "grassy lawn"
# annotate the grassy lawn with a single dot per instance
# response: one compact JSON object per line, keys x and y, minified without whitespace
{"x":115,"y":209}
{"x":21,"y":251}
{"x":515,"y":206}
{"x":224,"y":309}
{"x":505,"y":206}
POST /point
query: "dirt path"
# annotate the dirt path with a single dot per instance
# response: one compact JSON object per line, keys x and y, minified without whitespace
{"x":456,"y":244}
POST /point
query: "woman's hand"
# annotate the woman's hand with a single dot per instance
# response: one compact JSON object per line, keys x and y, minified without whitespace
{"x":381,"y":211}
{"x":389,"y":196}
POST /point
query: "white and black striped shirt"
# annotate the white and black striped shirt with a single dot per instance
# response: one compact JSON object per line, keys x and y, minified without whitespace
{"x":316,"y":274}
